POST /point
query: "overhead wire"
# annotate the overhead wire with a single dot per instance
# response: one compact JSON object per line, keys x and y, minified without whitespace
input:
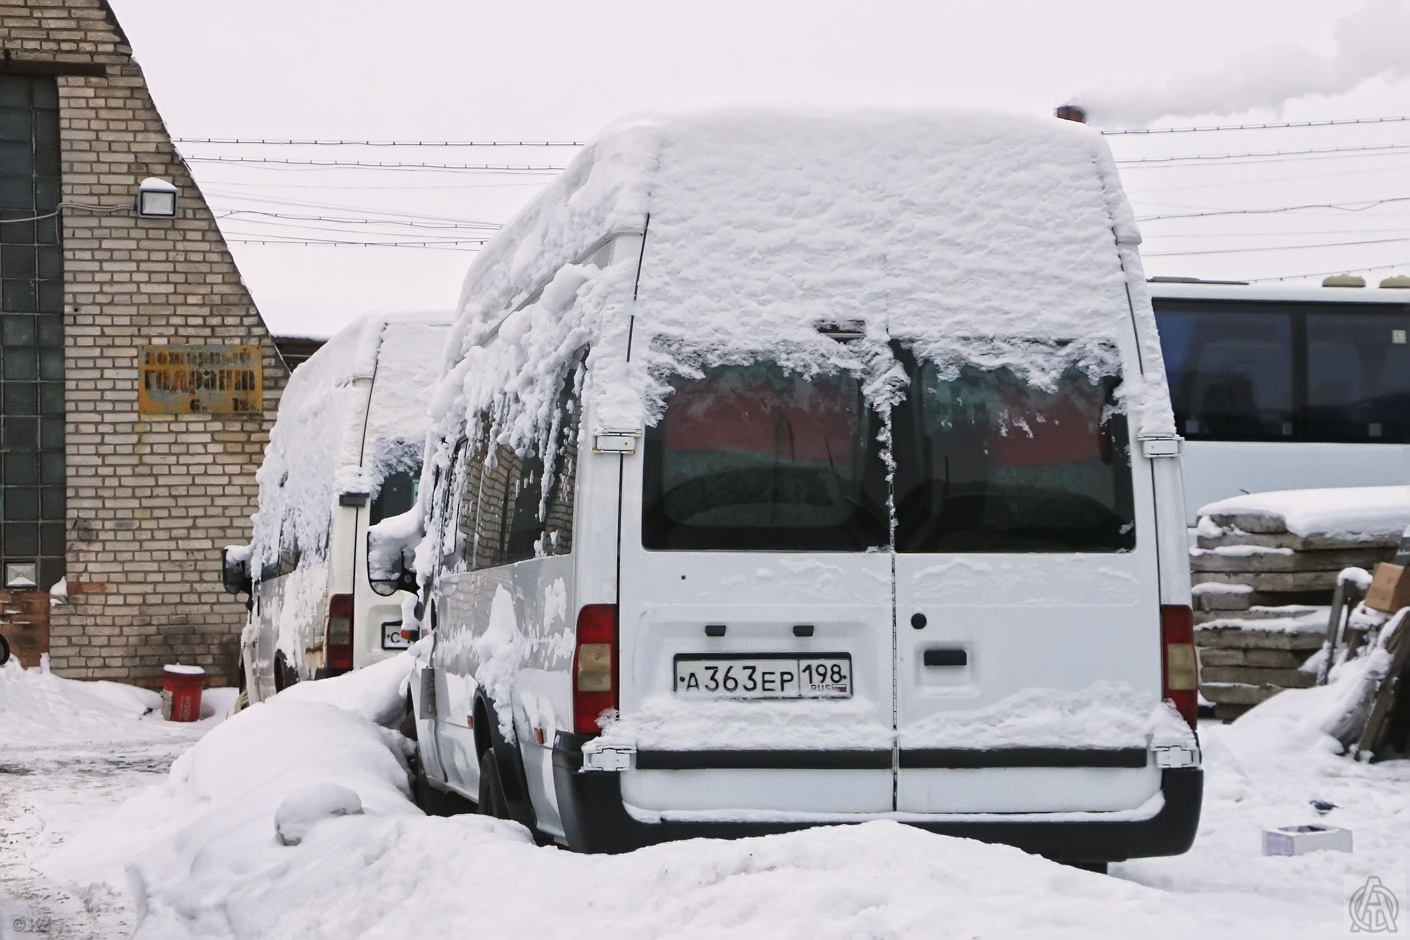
{"x":1268,"y":156}
{"x":370,"y":165}
{"x":314,"y":142}
{"x":1370,"y":204}
{"x":1283,"y":125}
{"x":1230,"y":251}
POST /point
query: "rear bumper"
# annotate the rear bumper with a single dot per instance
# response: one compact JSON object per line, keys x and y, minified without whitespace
{"x":595,"y":820}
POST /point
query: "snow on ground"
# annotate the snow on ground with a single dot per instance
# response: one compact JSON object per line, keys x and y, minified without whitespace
{"x":198,"y":854}
{"x":70,"y":752}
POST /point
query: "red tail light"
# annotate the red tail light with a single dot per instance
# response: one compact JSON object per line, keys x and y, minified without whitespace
{"x":1179,"y":673}
{"x":338,"y":642}
{"x":594,"y":666}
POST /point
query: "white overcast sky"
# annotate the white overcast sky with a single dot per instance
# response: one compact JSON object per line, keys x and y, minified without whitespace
{"x":550,"y":70}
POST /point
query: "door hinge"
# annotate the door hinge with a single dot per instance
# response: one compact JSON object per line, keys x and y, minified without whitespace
{"x":1162,"y":445}
{"x":613,"y":757}
{"x":615,"y":441}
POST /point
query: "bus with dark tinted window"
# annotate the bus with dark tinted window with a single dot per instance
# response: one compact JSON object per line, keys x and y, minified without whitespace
{"x":1280,"y":388}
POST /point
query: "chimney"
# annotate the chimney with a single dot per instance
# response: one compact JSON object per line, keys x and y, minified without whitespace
{"x":1070,"y":112}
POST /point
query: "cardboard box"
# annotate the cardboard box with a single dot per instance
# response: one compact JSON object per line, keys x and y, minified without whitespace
{"x":1390,"y":588}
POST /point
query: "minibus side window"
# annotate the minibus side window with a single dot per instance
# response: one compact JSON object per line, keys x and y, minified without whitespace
{"x":558,"y":521}
{"x":460,"y":518}
{"x":396,"y":495}
{"x":759,"y":458}
{"x":526,"y":495}
{"x":986,"y":462}
{"x":1358,"y":377}
{"x":487,"y":540}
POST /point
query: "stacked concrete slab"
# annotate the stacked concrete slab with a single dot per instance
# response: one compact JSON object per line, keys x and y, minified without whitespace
{"x":1261,"y":597}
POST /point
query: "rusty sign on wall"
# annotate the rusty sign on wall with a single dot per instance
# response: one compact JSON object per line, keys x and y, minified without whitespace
{"x":199,"y":379}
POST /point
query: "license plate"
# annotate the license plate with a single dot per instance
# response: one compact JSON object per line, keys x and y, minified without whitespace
{"x":822,"y":675}
{"x":392,"y":638}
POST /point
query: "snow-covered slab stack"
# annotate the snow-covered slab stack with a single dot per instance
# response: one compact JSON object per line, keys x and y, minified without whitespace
{"x":1264,"y":567}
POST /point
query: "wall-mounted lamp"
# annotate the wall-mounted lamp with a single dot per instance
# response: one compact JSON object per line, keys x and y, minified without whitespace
{"x":156,"y":199}
{"x":21,"y":575}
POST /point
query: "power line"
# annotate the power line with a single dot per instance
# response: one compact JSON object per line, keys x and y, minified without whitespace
{"x":279,"y":240}
{"x":1322,"y":205}
{"x":377,"y":143}
{"x":1231,"y":251}
{"x":1254,"y":127}
{"x":448,"y":224}
{"x":1385,"y":149}
{"x":276,"y":161}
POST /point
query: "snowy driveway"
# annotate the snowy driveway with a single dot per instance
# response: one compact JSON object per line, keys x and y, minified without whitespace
{"x":196,"y":856}
{"x":47,"y":794}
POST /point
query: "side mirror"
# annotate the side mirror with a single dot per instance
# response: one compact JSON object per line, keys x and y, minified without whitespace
{"x":235,"y":569}
{"x":391,"y":552}
{"x":391,"y":577}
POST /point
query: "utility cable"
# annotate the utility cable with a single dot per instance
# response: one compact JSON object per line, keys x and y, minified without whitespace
{"x":1268,"y":155}
{"x":1321,"y":205}
{"x":278,"y":161}
{"x":376,"y":143}
{"x":71,"y":205}
{"x":1253,"y":127}
{"x":1230,"y":251}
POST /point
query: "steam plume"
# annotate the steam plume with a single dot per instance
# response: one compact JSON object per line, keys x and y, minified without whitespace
{"x":1370,"y":43}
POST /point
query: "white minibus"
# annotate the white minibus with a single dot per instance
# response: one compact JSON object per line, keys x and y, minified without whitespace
{"x":793,"y":469}
{"x":1286,"y":388}
{"x":344,"y":453}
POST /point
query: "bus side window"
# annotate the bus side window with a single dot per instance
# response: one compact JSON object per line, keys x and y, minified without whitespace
{"x":1358,"y":377}
{"x":1230,"y":373}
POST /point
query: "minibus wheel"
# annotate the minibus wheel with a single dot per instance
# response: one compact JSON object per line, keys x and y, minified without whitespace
{"x":492,"y":799}
{"x":284,"y":674}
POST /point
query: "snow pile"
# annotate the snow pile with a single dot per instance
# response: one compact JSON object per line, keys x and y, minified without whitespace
{"x":472,"y":876}
{"x":1358,"y":513}
{"x":305,"y":808}
{"x":186,"y":844}
{"x":40,"y":708}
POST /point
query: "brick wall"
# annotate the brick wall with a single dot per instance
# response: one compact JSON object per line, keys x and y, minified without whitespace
{"x":151,"y":498}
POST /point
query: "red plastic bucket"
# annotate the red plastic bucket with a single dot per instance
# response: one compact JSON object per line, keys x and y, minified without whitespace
{"x":181,"y":692}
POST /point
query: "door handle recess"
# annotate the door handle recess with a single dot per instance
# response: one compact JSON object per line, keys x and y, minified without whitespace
{"x":945,"y":657}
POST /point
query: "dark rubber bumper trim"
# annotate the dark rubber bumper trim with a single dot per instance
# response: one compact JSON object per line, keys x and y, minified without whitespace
{"x":594,"y":819}
{"x":763,"y":760}
{"x":958,"y":758}
{"x":953,"y":758}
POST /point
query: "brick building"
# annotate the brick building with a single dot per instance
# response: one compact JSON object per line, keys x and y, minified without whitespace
{"x":137,"y":379}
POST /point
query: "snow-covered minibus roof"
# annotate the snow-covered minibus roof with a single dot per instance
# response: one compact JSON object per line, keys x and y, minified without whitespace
{"x":322,"y":424}
{"x":957,"y":230}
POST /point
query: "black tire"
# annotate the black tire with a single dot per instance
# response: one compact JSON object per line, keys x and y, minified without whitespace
{"x":284,"y":674}
{"x":4,"y":650}
{"x":1098,"y":867}
{"x":492,"y":799}
{"x":408,"y":720}
{"x":431,"y":799}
